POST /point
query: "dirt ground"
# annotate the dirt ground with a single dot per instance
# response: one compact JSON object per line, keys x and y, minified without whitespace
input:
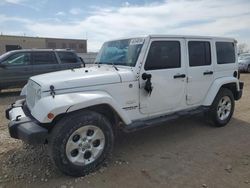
{"x":184,"y":153}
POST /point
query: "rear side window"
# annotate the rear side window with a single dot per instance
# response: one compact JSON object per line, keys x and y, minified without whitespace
{"x":225,"y":52}
{"x":199,"y":53}
{"x":41,"y":58}
{"x":163,"y":55}
{"x":68,"y":57}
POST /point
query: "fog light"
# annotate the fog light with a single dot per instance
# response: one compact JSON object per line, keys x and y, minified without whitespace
{"x":50,"y":115}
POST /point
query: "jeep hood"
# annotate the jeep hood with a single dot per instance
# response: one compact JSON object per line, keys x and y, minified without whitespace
{"x":83,"y":77}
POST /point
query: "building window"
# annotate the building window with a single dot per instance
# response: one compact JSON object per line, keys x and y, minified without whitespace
{"x":81,"y":46}
{"x":64,"y":45}
{"x":52,"y":45}
{"x":72,"y":46}
{"x":12,"y":47}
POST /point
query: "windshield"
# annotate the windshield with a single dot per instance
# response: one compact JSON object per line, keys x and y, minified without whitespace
{"x":244,"y":56}
{"x":120,"y":52}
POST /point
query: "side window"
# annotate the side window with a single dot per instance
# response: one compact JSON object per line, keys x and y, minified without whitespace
{"x":225,"y":52}
{"x":68,"y":57}
{"x":163,"y":55}
{"x":199,"y":53}
{"x":18,"y":59}
{"x":41,"y":58}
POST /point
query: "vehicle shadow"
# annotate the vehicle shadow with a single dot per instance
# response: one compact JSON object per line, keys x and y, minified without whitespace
{"x":162,"y":141}
{"x":9,"y":96}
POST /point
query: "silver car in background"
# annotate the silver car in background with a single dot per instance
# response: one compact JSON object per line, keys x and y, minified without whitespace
{"x":244,"y":62}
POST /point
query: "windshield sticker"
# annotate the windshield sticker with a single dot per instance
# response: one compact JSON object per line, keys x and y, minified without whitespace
{"x":136,"y":41}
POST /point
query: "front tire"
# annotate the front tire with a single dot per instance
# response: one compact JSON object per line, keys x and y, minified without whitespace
{"x":80,"y":142}
{"x":222,"y":108}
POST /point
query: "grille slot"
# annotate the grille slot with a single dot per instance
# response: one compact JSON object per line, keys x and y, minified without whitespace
{"x":32,"y":88}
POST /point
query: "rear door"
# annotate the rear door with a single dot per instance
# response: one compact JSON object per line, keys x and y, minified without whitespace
{"x":69,"y":60}
{"x":200,"y":70}
{"x":16,"y":69}
{"x":44,"y":62}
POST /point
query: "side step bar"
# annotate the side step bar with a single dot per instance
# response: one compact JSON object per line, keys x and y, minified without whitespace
{"x":138,"y":125}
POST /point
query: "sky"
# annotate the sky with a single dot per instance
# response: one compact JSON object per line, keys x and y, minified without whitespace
{"x":99,"y":21}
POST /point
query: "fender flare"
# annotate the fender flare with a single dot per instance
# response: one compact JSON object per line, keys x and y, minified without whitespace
{"x":215,"y":87}
{"x":70,"y":102}
{"x":24,"y":90}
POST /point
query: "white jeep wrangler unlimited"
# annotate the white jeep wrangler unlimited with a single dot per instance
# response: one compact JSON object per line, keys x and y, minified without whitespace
{"x":135,"y":83}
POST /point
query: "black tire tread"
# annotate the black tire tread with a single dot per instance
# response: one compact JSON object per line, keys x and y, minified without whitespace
{"x":63,"y":129}
{"x":213,"y":108}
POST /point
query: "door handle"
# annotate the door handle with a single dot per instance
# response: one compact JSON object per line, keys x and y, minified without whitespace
{"x":208,"y":72}
{"x":179,"y":76}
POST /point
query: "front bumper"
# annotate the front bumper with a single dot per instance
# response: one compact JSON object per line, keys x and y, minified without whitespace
{"x":23,"y":126}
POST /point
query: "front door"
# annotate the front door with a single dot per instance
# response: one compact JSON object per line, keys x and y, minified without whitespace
{"x":15,"y":70}
{"x":200,"y":71}
{"x":165,"y":64}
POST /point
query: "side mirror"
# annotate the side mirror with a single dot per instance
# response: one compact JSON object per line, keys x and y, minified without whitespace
{"x":148,"y":85}
{"x":84,"y":65}
{"x":146,"y":76}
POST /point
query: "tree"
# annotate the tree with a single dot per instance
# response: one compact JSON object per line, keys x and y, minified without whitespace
{"x":242,"y":48}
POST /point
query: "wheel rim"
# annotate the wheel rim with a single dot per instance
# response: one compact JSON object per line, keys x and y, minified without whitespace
{"x":224,"y":108}
{"x":85,"y":145}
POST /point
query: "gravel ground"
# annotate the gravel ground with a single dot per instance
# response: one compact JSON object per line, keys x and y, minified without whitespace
{"x":184,"y":153}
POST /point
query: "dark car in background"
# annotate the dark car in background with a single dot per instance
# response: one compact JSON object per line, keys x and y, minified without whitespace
{"x":17,"y":66}
{"x":244,"y":62}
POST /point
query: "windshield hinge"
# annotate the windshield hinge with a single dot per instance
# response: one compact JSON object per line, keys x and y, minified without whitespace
{"x":52,"y":91}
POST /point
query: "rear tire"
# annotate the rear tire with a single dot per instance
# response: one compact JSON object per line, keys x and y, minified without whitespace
{"x":222,"y":108}
{"x":80,"y":142}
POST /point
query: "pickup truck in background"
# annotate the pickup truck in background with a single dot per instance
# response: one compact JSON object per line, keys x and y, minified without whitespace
{"x":17,"y":66}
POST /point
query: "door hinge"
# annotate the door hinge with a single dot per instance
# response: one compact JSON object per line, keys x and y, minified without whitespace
{"x":189,"y":79}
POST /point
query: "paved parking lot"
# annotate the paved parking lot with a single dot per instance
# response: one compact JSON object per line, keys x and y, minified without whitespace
{"x":184,"y":153}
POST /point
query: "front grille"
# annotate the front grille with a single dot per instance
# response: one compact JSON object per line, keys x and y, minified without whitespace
{"x":32,"y":88}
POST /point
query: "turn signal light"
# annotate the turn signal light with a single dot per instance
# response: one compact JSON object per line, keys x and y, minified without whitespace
{"x":50,"y":115}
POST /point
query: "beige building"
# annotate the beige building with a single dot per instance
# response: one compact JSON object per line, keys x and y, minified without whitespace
{"x":8,"y":43}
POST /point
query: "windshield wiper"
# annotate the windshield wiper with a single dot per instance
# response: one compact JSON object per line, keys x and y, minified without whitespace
{"x":114,"y":66}
{"x":107,"y":63}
